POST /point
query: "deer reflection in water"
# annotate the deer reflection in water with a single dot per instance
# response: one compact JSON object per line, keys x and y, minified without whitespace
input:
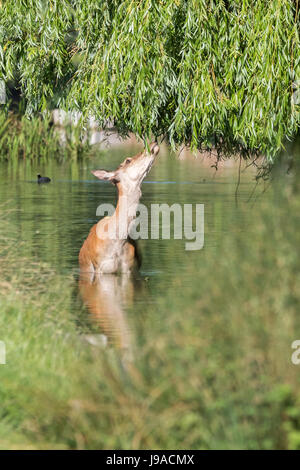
{"x":106,"y":297}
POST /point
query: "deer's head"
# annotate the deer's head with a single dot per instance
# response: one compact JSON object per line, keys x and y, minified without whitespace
{"x":131,"y":172}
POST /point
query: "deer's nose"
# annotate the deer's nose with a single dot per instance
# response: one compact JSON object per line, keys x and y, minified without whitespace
{"x":154,"y":148}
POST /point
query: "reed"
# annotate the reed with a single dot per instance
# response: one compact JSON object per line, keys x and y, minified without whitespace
{"x":37,"y":139}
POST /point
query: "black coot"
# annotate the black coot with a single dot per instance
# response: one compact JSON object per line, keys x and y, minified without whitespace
{"x":43,"y":179}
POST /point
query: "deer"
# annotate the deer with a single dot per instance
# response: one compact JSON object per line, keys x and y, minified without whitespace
{"x":108,"y":249}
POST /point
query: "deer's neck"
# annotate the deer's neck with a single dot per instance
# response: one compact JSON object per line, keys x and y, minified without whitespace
{"x":125,"y":213}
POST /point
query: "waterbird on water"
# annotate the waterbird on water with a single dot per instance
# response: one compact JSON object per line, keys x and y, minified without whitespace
{"x":43,"y":179}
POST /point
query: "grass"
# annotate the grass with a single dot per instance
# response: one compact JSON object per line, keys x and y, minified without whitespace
{"x":213,"y":368}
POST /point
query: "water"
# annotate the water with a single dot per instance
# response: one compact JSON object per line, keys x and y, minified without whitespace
{"x":51,"y":222}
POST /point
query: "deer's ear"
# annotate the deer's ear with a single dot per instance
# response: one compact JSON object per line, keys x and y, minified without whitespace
{"x":104,"y":175}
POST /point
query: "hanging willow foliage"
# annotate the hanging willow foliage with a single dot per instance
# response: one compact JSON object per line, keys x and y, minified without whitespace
{"x":209,"y":73}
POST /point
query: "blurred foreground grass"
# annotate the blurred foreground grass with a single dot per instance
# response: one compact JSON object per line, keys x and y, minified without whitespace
{"x":213,"y":365}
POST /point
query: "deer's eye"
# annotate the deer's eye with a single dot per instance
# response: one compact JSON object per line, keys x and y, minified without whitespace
{"x":128,"y":160}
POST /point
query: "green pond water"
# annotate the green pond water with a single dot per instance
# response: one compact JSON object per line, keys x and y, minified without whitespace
{"x":50,"y":222}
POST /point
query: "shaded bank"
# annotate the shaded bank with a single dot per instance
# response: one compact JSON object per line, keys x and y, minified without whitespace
{"x":37,"y":139}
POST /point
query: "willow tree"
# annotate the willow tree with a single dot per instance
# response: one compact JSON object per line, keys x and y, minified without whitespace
{"x":209,"y":73}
